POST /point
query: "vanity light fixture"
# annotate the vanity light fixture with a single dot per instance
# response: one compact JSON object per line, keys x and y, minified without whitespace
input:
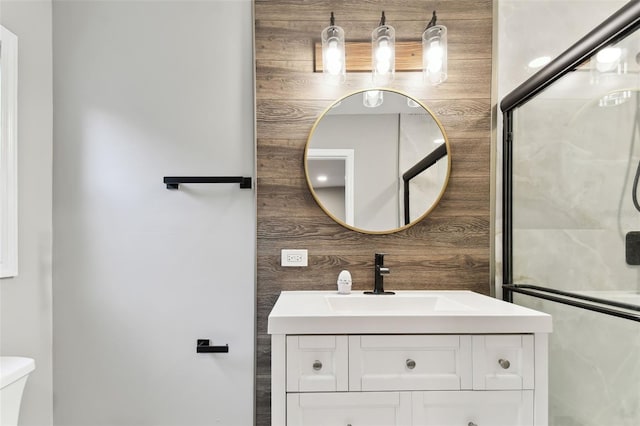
{"x":333,"y":53}
{"x":615,"y":98}
{"x":383,"y":53}
{"x":434,"y":52}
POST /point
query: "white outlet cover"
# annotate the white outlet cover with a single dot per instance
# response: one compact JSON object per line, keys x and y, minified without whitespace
{"x":294,"y":257}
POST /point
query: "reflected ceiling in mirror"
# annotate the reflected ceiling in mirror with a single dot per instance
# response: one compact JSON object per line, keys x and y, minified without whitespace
{"x":377,"y":161}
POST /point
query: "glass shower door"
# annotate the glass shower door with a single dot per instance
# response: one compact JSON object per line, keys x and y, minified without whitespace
{"x":575,"y":159}
{"x":572,"y":221}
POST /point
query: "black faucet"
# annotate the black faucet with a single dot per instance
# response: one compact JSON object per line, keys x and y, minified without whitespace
{"x":378,"y":279}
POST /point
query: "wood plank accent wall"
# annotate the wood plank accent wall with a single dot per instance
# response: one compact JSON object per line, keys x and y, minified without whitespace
{"x":447,"y":250}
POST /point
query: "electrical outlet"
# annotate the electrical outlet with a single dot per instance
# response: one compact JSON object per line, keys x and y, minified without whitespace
{"x":290,"y":257}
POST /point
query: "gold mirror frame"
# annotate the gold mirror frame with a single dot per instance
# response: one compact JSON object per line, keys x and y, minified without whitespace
{"x":353,"y":227}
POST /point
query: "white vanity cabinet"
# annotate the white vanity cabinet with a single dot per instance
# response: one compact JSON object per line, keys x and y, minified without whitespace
{"x":442,"y":377}
{"x":419,"y":380}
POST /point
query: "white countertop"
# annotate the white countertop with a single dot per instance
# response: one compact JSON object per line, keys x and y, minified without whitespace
{"x":406,"y":312}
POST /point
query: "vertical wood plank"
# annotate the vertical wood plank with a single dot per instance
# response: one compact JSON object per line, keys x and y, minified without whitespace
{"x":447,"y":250}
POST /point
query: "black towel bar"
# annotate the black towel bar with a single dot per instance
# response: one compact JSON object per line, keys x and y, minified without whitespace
{"x":173,"y":182}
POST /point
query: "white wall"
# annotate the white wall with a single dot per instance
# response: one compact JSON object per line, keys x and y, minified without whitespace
{"x":376,"y":170}
{"x":418,"y":138}
{"x":25,"y":318}
{"x":144,"y":90}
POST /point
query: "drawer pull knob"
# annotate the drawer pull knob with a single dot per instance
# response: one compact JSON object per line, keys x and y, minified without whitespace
{"x":411,"y":364}
{"x":504,"y":363}
{"x":472,"y":424}
{"x":317,"y":365}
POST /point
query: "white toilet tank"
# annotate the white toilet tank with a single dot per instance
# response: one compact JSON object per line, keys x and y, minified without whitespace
{"x":14,"y":372}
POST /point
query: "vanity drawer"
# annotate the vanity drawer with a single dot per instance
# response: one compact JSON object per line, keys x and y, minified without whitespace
{"x":349,"y":408}
{"x":503,"y":362}
{"x":409,"y":362}
{"x":317,"y":363}
{"x":495,"y":408}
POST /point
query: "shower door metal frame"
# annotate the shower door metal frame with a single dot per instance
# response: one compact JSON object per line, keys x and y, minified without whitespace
{"x":622,"y":23}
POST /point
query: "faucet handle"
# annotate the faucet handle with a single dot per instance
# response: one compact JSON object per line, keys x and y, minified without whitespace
{"x":380,"y":268}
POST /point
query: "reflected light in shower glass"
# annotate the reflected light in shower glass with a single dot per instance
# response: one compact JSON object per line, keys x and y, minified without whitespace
{"x":614,"y":98}
{"x":538,"y":62}
{"x":608,"y":59}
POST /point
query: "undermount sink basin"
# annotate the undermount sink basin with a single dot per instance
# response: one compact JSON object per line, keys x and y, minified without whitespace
{"x":396,"y":303}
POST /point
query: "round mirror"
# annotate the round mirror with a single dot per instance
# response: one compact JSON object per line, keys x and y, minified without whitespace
{"x":377,"y":161}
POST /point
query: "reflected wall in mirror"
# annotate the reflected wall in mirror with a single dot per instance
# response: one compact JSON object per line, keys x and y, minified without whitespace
{"x":377,"y":161}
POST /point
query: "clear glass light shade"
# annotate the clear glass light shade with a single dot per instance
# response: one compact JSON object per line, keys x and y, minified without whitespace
{"x":333,"y":54}
{"x":372,"y":98}
{"x":383,"y":54}
{"x":434,"y":54}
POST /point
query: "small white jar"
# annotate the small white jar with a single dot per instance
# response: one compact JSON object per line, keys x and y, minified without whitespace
{"x":344,"y":282}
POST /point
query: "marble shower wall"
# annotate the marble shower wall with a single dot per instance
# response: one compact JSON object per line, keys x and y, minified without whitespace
{"x":521,"y":38}
{"x":574,"y":166}
{"x":594,"y":373}
{"x":575,"y":161}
